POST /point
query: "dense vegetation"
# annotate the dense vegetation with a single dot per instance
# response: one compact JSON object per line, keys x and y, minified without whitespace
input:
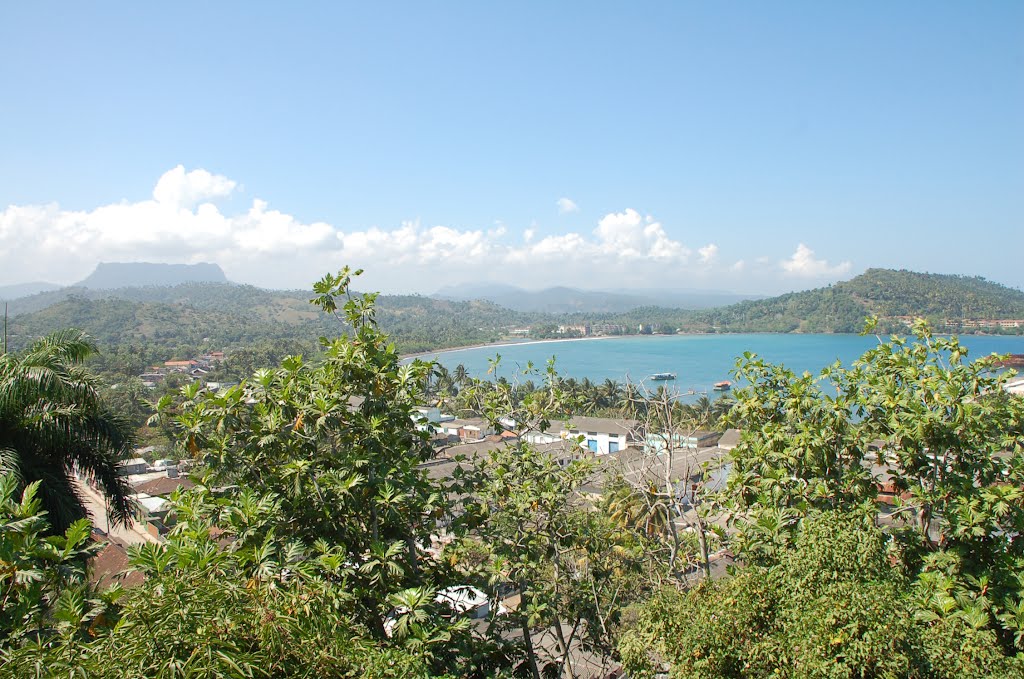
{"x":184,"y":320}
{"x":308,"y":547}
{"x":53,"y":420}
{"x":843,"y":306}
{"x":187,"y":319}
{"x":839,"y":581}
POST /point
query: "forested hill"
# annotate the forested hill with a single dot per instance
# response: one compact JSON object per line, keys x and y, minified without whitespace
{"x":904,"y":293}
{"x":197,"y":316}
{"x":883,"y":292}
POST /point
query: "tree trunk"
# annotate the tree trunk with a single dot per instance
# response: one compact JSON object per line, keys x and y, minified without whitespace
{"x":563,"y":649}
{"x":531,"y":655}
{"x":702,"y":545}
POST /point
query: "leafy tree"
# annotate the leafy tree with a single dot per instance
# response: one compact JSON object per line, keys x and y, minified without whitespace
{"x":571,"y":567}
{"x":53,"y":423}
{"x":668,"y":480}
{"x":831,"y":605}
{"x":936,"y":427}
{"x":335,"y":443}
{"x":42,"y":574}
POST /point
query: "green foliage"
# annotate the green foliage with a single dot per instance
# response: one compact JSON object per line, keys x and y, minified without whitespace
{"x":335,"y":445}
{"x":842,"y":307}
{"x":184,"y":320}
{"x":831,"y":606}
{"x":937,"y":594}
{"x":572,"y":567}
{"x":40,"y":574}
{"x":206,"y":609}
{"x":53,"y":421}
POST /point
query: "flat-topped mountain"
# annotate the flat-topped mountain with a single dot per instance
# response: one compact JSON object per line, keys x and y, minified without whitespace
{"x":110,"y":275}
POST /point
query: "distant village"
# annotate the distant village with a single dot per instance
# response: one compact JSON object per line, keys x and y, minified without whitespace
{"x":197,"y":368}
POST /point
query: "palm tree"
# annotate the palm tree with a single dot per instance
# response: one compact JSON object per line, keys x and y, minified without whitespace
{"x":53,"y":422}
{"x":610,"y":393}
{"x":461,"y":375}
{"x":700,"y":412}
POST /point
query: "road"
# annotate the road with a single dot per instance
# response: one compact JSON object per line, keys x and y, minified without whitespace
{"x":95,"y":503}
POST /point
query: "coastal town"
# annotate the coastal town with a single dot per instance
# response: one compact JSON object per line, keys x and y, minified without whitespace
{"x":671,"y":340}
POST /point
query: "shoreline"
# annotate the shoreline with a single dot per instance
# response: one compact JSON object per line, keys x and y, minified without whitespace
{"x":515,"y":343}
{"x":522,"y":342}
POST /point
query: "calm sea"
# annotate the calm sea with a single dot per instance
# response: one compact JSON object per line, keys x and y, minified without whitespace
{"x":698,"y":360}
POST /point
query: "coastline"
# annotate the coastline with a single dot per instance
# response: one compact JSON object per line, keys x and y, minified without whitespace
{"x":515,"y":343}
{"x":521,"y":342}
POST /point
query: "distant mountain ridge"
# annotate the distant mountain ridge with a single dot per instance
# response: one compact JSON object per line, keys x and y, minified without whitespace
{"x":111,"y":275}
{"x":223,"y":315}
{"x":19,"y":290}
{"x":564,"y":300}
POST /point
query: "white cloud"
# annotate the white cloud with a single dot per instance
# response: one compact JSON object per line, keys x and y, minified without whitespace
{"x":566,"y":205}
{"x":804,"y":265}
{"x":708,"y":253}
{"x":185,"y":222}
{"x":185,"y":189}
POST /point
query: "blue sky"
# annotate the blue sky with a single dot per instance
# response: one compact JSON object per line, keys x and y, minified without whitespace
{"x":755,"y":147}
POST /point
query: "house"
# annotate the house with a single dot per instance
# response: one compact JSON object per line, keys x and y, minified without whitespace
{"x":135,"y":465}
{"x":180,"y":366}
{"x":153,"y":513}
{"x":1015,"y":386}
{"x":164,"y":486}
{"x":468,"y":429}
{"x":110,"y":565}
{"x":464,"y":600}
{"x":730,"y":439}
{"x":600,"y":435}
{"x":694,"y":439}
{"x":688,"y":468}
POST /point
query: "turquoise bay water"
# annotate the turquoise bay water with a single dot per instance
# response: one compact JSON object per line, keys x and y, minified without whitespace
{"x":698,"y":360}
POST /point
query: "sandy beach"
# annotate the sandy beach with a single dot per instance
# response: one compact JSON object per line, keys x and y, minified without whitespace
{"x":514,"y":343}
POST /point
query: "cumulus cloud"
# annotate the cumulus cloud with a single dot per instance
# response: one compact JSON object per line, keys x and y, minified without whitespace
{"x":566,"y":205}
{"x":804,"y":265}
{"x":708,"y":253}
{"x":184,"y":221}
{"x":185,"y":189}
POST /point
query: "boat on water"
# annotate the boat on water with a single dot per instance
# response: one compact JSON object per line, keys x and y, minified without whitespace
{"x":1011,"y":361}
{"x":724,"y":385}
{"x":663,"y":376}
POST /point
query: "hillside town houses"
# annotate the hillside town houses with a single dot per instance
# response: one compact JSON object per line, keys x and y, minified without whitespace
{"x":196,"y":368}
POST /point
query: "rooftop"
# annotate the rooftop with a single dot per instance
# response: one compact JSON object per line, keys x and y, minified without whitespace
{"x":601,"y":425}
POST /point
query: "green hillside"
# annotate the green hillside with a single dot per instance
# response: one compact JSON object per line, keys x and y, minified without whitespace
{"x":198,"y":316}
{"x":221,"y":315}
{"x":901,"y":293}
{"x":883,"y":292}
{"x":841,"y":307}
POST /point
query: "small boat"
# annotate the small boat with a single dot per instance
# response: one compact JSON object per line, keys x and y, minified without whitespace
{"x":1011,"y":361}
{"x":724,"y":385}
{"x":663,"y":376}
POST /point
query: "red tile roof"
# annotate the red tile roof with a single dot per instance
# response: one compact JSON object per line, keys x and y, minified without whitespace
{"x":109,"y":566}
